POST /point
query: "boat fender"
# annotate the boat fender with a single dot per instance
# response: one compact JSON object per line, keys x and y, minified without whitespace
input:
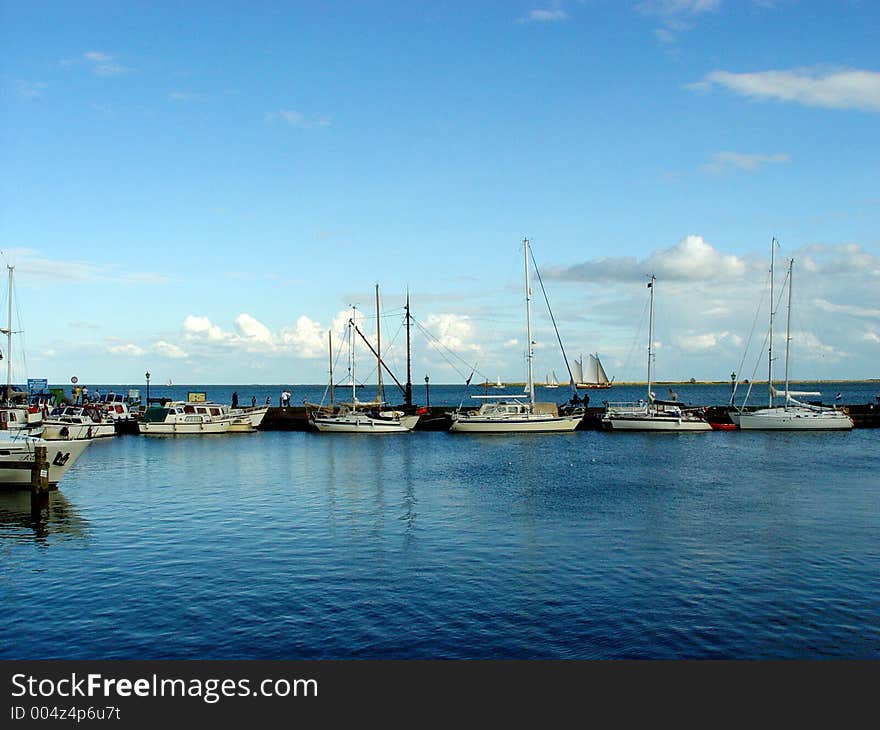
{"x":89,"y":433}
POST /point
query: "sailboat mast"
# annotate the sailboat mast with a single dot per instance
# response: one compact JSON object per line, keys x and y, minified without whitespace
{"x":650,"y":333}
{"x":770,"y":346}
{"x":788,"y":329}
{"x":351,"y":356}
{"x":10,"y":269}
{"x":330,"y":347}
{"x":378,"y":350}
{"x":529,"y":325}
{"x":408,"y":392}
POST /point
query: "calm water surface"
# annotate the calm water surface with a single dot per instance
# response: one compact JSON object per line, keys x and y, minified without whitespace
{"x":583,"y":545}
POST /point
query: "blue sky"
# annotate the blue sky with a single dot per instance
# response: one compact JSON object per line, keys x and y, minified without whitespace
{"x":202,"y":189}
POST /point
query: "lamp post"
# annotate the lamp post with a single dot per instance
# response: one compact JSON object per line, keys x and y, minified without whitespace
{"x":427,"y":393}
{"x":147,"y":376}
{"x":732,"y":386}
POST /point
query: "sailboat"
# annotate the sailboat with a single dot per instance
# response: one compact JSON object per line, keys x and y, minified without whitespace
{"x":793,"y":415}
{"x":593,"y":376}
{"x":516,"y":414}
{"x":551,"y":382}
{"x":498,"y":383}
{"x":358,"y":417}
{"x":652,"y":414}
{"x":14,"y":417}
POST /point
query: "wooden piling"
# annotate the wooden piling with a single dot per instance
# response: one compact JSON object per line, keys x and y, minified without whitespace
{"x":40,"y":479}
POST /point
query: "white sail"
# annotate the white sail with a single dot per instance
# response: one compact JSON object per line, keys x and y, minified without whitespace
{"x":793,"y":393}
{"x":593,"y":370}
{"x":601,"y":377}
{"x":577,"y":370}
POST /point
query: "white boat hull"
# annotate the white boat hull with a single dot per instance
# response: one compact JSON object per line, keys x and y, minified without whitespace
{"x":520,"y":424}
{"x":184,"y":429}
{"x":76,"y":431}
{"x":792,"y":419}
{"x":654,"y":423}
{"x":61,"y":454}
{"x":363,"y":423}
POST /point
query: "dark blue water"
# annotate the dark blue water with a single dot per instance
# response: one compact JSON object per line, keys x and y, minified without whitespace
{"x":851,"y":392}
{"x":284,"y":545}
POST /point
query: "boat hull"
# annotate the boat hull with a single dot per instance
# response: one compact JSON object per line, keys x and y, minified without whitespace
{"x":654,"y":423}
{"x":533,"y":424}
{"x":592,"y":386}
{"x":61,"y":455}
{"x":184,"y":429}
{"x":362,"y":423}
{"x":77,"y":431}
{"x":792,"y":419}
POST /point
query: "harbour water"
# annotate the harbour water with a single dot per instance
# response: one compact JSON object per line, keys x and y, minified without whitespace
{"x":291,"y":545}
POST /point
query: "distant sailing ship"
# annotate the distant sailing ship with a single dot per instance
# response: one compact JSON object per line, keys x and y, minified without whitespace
{"x":551,"y":382}
{"x":594,"y":377}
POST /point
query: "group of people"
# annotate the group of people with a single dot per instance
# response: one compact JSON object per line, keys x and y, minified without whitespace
{"x":284,"y":400}
{"x":81,"y":395}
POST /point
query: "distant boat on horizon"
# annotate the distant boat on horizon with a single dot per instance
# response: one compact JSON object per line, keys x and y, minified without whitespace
{"x":594,"y":377}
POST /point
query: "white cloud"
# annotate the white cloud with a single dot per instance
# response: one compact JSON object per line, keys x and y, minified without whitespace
{"x":308,"y":338}
{"x":31,"y":89}
{"x":103,"y":64}
{"x":847,"y":309}
{"x":871,"y":336}
{"x":723,"y":161}
{"x":836,"y":259}
{"x":254,"y":331}
{"x":544,"y":15}
{"x":691,"y":259}
{"x":706,"y":341}
{"x":810,"y":347}
{"x":195,"y":326}
{"x":453,"y":331}
{"x":298,"y":119}
{"x":837,"y":89}
{"x":169,"y":349}
{"x":675,"y":16}
{"x":126,"y":350}
{"x":38,"y":270}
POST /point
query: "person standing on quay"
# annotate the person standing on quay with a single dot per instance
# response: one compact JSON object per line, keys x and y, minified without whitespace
{"x":235,"y":399}
{"x":253,"y":401}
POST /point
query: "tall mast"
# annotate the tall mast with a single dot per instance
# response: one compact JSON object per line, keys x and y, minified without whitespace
{"x":788,"y":328}
{"x":529,"y":325}
{"x":770,"y":347}
{"x":650,"y":333}
{"x":378,"y":349}
{"x":10,"y":269}
{"x":408,"y":392}
{"x":330,"y":346}
{"x":351,"y":356}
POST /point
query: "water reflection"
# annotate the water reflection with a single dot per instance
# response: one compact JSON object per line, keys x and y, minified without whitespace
{"x":60,"y":520}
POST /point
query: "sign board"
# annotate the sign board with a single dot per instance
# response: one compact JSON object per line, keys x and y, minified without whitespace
{"x":134,"y":394}
{"x":37,"y":385}
{"x":196,"y":397}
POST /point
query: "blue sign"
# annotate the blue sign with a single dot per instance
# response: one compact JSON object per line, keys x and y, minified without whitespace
{"x":37,"y":385}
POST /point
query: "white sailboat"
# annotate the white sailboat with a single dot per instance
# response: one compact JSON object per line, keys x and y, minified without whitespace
{"x":793,"y":415}
{"x":14,"y":417}
{"x":651,"y":414}
{"x":516,"y":414}
{"x":551,"y":382}
{"x":357,"y":417}
{"x":591,"y":377}
{"x":498,"y":383}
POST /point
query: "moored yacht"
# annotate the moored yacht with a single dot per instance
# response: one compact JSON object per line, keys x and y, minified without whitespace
{"x":77,"y":422}
{"x":652,"y":414}
{"x":792,"y":415}
{"x":182,"y":418}
{"x":517,"y":414}
{"x":15,"y":449}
